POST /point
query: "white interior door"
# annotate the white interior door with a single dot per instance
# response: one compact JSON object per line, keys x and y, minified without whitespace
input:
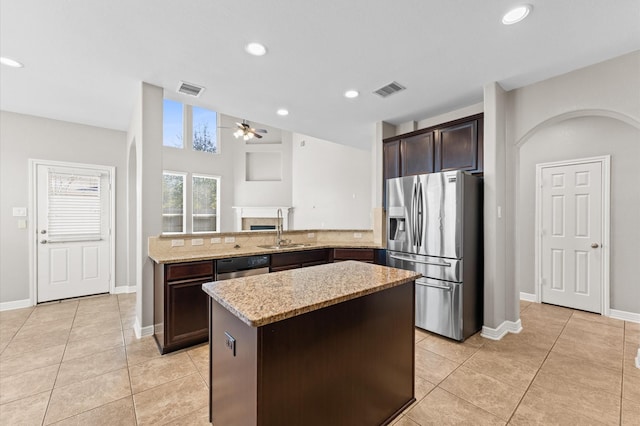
{"x":572,"y":235}
{"x":73,"y":229}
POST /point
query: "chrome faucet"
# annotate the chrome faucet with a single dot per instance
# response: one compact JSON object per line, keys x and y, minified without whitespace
{"x":279,"y":228}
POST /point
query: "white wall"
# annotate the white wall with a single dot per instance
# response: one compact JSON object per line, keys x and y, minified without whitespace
{"x":331,"y":185}
{"x":24,"y":137}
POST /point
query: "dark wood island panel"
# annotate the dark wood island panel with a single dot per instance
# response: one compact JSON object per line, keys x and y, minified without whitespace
{"x":345,"y":364}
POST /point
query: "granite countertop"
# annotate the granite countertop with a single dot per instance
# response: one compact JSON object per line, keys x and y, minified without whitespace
{"x":264,"y":299}
{"x":250,"y":251}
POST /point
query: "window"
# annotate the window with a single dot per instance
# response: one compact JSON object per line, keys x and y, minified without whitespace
{"x":173,"y":196}
{"x":205,"y":130}
{"x":172,"y":133}
{"x":205,"y":203}
{"x":201,"y":136}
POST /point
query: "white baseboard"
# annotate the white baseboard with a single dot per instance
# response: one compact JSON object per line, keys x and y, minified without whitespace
{"x":124,"y":289}
{"x":142,"y":331}
{"x":528,"y":297}
{"x":16,"y":304}
{"x":504,"y":328}
{"x":638,"y":359}
{"x":623,"y":315}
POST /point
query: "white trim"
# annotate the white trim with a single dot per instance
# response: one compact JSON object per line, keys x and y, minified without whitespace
{"x":638,"y":359}
{"x":504,"y":328}
{"x":605,"y":162}
{"x":16,"y":304}
{"x":124,"y":289}
{"x":33,"y":202}
{"x":142,"y":331}
{"x":623,"y":315}
{"x":528,"y":297}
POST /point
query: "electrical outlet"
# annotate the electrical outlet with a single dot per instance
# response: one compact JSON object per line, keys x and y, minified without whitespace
{"x":177,"y":243}
{"x":197,"y":242}
{"x":311,"y":235}
{"x":229,"y":239}
{"x":230,"y":342}
{"x":216,"y":240}
{"x":357,"y":235}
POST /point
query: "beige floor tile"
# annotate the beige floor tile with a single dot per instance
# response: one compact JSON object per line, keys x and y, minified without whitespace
{"x":120,"y":412}
{"x":507,"y":371}
{"x":539,"y":333}
{"x":547,"y":412}
{"x":420,"y":335}
{"x":82,"y":320}
{"x":597,"y":318}
{"x":630,"y":354}
{"x":142,"y":350}
{"x":510,"y":348}
{"x":82,"y":396}
{"x":128,"y":321}
{"x":200,"y":357}
{"x":455,"y":351}
{"x":92,"y":345}
{"x":171,"y":400}
{"x":53,"y":311}
{"x":548,"y":312}
{"x":11,"y":325}
{"x":524,"y":305}
{"x":159,"y":371}
{"x":593,"y":332}
{"x":79,"y":369}
{"x":433,"y":367}
{"x":559,"y":368}
{"x":19,"y":346}
{"x":31,"y":360}
{"x":632,"y":332}
{"x":31,"y":331}
{"x":442,"y":408}
{"x":27,"y":384}
{"x":571,"y":346}
{"x":26,"y":411}
{"x":483,"y":391}
{"x":19,"y":314}
{"x":630,"y":412}
{"x":86,"y":331}
{"x":404,"y":421}
{"x":197,"y":418}
{"x":129,"y":336}
{"x":595,"y":404}
{"x":422,"y":388}
{"x":631,"y":387}
{"x":475,"y":341}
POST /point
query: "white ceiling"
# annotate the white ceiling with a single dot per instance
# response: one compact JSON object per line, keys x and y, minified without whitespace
{"x":84,"y":59}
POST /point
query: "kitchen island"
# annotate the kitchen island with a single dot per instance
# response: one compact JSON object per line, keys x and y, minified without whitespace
{"x":328,"y":344}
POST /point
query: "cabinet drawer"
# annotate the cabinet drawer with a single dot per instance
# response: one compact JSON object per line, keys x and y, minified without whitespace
{"x":182,"y":271}
{"x":364,"y":255}
{"x":298,"y":257}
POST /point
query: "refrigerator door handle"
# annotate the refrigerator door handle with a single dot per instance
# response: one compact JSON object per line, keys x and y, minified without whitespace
{"x":446,"y":287}
{"x":410,"y":259}
{"x":414,"y":199}
{"x":420,"y":214}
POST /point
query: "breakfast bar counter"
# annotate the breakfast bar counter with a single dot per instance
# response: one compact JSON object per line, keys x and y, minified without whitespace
{"x":327,"y":344}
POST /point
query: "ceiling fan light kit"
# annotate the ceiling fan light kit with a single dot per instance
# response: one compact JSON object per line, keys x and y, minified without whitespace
{"x":247,"y":132}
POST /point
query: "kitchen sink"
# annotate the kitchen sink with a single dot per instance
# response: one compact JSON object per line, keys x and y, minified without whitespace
{"x":284,"y":246}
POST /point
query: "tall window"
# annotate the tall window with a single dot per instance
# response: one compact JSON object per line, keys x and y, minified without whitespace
{"x":205,"y":203}
{"x":203,"y":135}
{"x":205,"y":130}
{"x":172,"y":132}
{"x":173,"y":196}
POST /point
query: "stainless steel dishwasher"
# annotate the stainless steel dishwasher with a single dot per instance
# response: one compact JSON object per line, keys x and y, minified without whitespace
{"x":244,"y":266}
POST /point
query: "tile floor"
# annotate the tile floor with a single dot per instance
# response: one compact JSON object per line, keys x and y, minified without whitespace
{"x":79,"y":363}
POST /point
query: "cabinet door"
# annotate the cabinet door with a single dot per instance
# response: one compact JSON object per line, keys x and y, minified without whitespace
{"x":417,"y":154}
{"x":390,"y":166}
{"x":187,"y":313}
{"x":457,"y":147}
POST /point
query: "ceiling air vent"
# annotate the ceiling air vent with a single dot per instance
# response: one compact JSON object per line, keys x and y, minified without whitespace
{"x":190,"y":89}
{"x":390,"y":89}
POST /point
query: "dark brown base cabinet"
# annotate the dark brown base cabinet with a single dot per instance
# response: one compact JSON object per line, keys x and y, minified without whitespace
{"x":180,"y":314}
{"x":346,"y":364}
{"x":299,"y":259}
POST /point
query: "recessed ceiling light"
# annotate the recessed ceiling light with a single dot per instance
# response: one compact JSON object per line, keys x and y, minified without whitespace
{"x":10,"y":62}
{"x":351,"y":94}
{"x":516,"y":14}
{"x":282,"y":112}
{"x":255,"y":49}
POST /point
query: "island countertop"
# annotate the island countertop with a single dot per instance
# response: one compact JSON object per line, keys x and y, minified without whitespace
{"x":264,"y":299}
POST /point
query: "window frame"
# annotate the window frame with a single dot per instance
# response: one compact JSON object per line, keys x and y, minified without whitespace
{"x":188,"y":128}
{"x":218,"y":180}
{"x":184,"y":122}
{"x":184,"y":202}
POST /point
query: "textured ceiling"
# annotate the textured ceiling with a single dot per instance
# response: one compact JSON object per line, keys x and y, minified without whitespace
{"x":84,"y":59}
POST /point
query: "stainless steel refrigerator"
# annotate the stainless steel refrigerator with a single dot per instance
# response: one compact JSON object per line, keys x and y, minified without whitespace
{"x":434,"y":226}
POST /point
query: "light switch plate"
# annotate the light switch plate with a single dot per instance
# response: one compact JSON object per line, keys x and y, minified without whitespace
{"x":310,"y":234}
{"x":19,"y":212}
{"x":229,"y":239}
{"x":177,"y":243}
{"x":197,"y":242}
{"x":357,"y":235}
{"x":216,"y":240}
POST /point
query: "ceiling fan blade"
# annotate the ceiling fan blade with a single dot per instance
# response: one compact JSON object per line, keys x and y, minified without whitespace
{"x":260,"y":130}
{"x":257,"y":136}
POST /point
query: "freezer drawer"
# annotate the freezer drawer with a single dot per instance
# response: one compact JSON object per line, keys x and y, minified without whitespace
{"x":439,"y":307}
{"x":429,"y":266}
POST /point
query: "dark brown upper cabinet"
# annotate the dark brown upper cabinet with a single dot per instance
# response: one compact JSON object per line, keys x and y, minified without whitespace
{"x":417,"y":154}
{"x":457,"y":147}
{"x":391,"y":165}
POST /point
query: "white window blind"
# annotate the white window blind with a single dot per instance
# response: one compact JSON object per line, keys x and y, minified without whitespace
{"x":74,"y":207}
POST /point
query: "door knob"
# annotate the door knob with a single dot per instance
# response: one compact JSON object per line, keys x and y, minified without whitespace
{"x":594,"y":245}
{"x":43,"y":242}
{"x":44,"y":231}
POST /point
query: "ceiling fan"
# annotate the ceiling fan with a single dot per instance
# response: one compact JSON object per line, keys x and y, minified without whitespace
{"x":247,"y":132}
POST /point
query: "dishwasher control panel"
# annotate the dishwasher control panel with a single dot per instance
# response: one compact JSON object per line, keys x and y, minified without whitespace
{"x":243,"y":263}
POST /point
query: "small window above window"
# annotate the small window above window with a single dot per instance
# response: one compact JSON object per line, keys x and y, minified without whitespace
{"x":172,"y":133}
{"x":205,"y":130}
